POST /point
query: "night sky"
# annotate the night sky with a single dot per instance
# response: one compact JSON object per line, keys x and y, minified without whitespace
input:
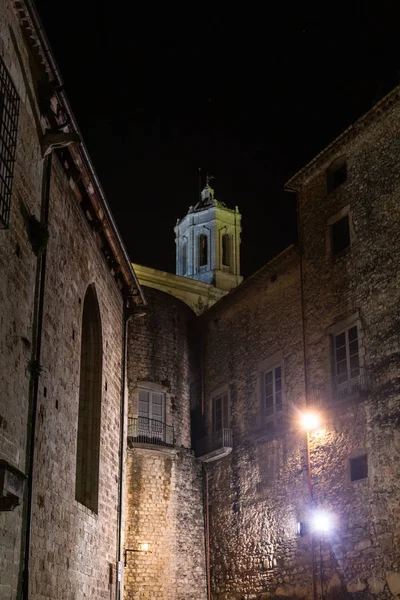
{"x":248,"y":96}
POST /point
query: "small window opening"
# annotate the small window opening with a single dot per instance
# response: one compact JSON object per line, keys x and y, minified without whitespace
{"x":203,"y":258}
{"x":340,"y":235}
{"x":226,"y":250}
{"x":184,"y":258}
{"x":359,"y":467}
{"x":336,"y":174}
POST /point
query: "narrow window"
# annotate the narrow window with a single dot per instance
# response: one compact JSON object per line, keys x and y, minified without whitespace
{"x":9,"y":108}
{"x":347,"y":363}
{"x":272,"y":398}
{"x":226,"y":250}
{"x":340,"y":235}
{"x":184,"y":258}
{"x":151,"y":415}
{"x":220,"y":413}
{"x":88,"y":442}
{"x":359,"y":467}
{"x":203,"y":250}
{"x":336,"y":174}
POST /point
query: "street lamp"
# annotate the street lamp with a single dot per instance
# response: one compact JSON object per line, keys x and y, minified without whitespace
{"x":309,"y":422}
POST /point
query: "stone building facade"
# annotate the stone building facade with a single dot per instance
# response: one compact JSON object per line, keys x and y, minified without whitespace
{"x":66,"y":291}
{"x":314,"y":332}
{"x":164,"y":536}
{"x":99,"y":482}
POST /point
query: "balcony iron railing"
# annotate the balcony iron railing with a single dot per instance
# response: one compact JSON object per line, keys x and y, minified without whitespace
{"x":343,"y":387}
{"x":216,"y":445}
{"x":149,"y":431}
{"x":346,"y":385}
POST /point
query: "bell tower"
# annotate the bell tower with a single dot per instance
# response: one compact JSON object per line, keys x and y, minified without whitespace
{"x":208,"y":242}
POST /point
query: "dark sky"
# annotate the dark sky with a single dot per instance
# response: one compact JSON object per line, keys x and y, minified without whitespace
{"x":248,"y":95}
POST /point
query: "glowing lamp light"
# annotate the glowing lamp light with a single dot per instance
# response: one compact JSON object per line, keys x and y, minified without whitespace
{"x":321,"y":521}
{"x":144,"y":547}
{"x":310,"y":421}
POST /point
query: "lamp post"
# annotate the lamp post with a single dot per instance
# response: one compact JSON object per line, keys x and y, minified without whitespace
{"x":309,"y":422}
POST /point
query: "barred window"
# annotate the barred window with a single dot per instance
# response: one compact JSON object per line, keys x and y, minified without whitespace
{"x":9,"y":107}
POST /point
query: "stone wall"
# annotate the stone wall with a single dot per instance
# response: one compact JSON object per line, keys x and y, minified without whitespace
{"x":164,"y":510}
{"x":73,"y":550}
{"x":164,"y":501}
{"x":359,"y":286}
{"x":258,"y":493}
{"x":17,"y":286}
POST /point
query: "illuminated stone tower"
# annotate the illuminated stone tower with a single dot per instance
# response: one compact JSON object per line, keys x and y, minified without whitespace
{"x":208,"y":242}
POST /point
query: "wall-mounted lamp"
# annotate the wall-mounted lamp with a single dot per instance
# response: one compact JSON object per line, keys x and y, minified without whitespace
{"x":143,"y":547}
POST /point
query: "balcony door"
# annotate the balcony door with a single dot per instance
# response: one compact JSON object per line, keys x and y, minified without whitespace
{"x":220,"y":413}
{"x":151,"y":414}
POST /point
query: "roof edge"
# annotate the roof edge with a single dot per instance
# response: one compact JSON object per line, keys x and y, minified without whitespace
{"x":292,"y":185}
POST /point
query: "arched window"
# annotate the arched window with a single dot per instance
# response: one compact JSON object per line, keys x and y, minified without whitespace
{"x":184,"y":258}
{"x":203,"y":250}
{"x":226,"y":250}
{"x":88,"y":442}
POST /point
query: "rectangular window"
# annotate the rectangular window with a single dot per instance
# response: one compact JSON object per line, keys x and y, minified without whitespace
{"x":220,"y":413}
{"x":340,"y":235}
{"x":9,"y":108}
{"x":151,"y":414}
{"x":347,"y":362}
{"x":273,"y":392}
{"x":359,"y":467}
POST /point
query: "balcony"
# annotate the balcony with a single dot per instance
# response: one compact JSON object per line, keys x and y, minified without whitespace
{"x":149,"y":432}
{"x":343,"y":388}
{"x":215,"y":446}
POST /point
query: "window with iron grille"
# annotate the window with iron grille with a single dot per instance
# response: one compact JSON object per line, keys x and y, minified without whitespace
{"x":9,"y":107}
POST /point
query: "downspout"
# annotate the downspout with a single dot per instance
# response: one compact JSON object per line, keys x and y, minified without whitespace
{"x":303,"y":318}
{"x":126,"y":319}
{"x":34,"y":387}
{"x":303,"y":321}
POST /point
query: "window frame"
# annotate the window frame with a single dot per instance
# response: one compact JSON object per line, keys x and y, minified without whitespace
{"x":342,"y":324}
{"x":220,"y":393}
{"x":344,"y":212}
{"x":275,"y":422}
{"x":203,"y":266}
{"x":356,"y":455}
{"x":9,"y":117}
{"x":336,"y":166}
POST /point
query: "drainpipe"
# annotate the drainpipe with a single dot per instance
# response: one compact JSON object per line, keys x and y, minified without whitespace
{"x":34,"y":384}
{"x":121,"y":453}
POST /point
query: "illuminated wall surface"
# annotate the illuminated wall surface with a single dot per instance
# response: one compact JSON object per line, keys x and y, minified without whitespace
{"x":215,"y":461}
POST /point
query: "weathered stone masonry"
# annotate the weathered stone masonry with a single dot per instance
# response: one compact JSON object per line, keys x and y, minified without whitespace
{"x":73,"y":550}
{"x":164,"y":484}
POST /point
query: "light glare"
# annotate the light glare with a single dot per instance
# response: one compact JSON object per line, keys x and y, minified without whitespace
{"x":310,"y":421}
{"x":321,"y":521}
